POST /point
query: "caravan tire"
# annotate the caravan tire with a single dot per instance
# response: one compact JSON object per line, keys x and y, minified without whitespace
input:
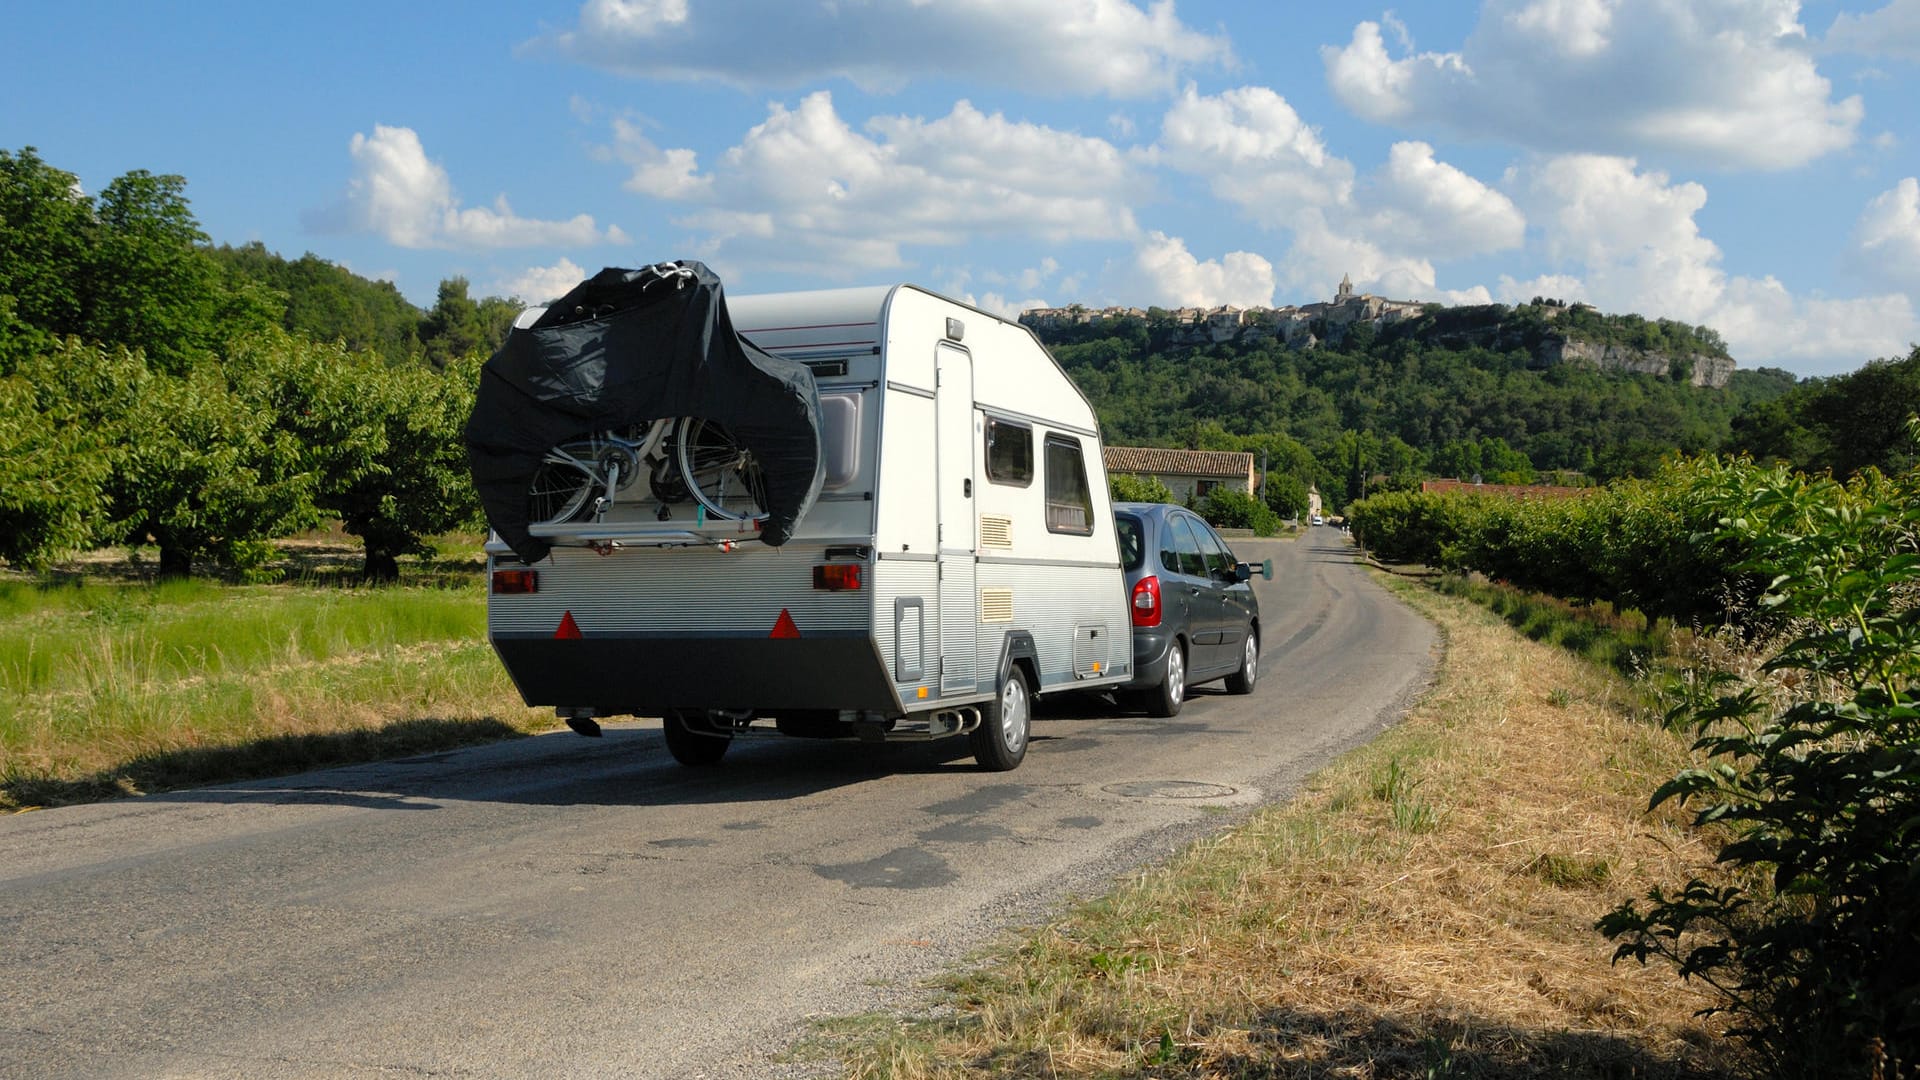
{"x":1006,"y":726}
{"x":689,"y":746}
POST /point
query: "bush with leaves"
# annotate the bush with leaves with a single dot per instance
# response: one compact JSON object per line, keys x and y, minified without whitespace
{"x":1812,"y":943}
{"x":1149,"y":489}
{"x":382,"y":443}
{"x":1230,"y":508}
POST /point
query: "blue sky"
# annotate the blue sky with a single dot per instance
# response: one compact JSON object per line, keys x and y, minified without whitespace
{"x":1745,"y":164}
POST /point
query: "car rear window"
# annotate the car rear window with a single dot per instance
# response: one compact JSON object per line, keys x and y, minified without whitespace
{"x":1133,"y":544}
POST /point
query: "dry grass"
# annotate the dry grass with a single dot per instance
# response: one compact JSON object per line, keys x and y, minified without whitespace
{"x":1426,"y":910}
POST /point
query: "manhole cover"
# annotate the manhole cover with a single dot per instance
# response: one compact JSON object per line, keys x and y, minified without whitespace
{"x":1169,"y":789}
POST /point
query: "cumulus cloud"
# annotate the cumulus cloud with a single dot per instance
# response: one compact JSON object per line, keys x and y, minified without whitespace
{"x":1887,"y":237}
{"x":1260,"y":156}
{"x":541,"y":284}
{"x":1163,"y":272}
{"x":1322,"y":253}
{"x":1631,"y":244}
{"x":1728,"y":84}
{"x":1893,"y":31}
{"x":1423,"y":205}
{"x":805,"y":190}
{"x":1112,"y":47}
{"x":1256,"y":151}
{"x":404,"y":196}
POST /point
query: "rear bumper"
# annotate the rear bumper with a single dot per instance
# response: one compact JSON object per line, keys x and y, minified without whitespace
{"x":1150,"y":649}
{"x":647,"y":674}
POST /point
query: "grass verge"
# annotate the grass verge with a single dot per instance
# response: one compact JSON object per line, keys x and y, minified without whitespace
{"x":112,"y":687}
{"x":1424,"y":910}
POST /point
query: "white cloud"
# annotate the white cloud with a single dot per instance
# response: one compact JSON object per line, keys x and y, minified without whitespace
{"x":1256,"y":151}
{"x":1419,"y":204}
{"x":1887,"y":236}
{"x":1632,"y":237}
{"x":1892,"y":31}
{"x":541,"y":284}
{"x":402,"y":195}
{"x":1728,"y":84}
{"x":804,"y":190}
{"x":1162,"y":272}
{"x":1321,"y":254}
{"x":1113,"y":47}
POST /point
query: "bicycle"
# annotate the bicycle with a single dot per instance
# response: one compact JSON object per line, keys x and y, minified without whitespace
{"x":706,"y":464}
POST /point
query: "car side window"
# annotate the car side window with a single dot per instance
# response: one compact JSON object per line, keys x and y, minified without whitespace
{"x":1186,"y":549}
{"x":1219,"y":560}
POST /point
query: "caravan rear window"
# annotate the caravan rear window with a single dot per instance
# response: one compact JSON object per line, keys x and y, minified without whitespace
{"x":1069,"y":501}
{"x":1009,"y":452}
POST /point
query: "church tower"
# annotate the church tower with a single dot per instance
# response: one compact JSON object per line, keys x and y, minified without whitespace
{"x":1346,"y":289}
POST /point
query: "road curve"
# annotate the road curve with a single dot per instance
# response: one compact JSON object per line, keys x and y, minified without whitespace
{"x":560,"y":906}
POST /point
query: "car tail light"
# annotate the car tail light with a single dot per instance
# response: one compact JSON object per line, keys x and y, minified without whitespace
{"x":516,"y":581}
{"x":1146,"y":601}
{"x":837,"y":577}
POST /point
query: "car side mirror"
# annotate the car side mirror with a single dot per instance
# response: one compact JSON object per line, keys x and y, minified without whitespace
{"x":1241,"y":572}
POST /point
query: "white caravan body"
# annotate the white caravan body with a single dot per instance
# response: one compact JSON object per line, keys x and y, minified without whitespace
{"x":963,"y":479}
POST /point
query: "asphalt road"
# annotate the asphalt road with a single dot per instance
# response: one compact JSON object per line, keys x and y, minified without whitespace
{"x":561,"y":906}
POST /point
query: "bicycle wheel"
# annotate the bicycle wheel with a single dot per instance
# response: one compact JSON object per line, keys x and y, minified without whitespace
{"x":561,"y":486}
{"x":721,"y":474}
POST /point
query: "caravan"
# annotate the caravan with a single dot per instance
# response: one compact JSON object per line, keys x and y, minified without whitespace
{"x":946,"y":555}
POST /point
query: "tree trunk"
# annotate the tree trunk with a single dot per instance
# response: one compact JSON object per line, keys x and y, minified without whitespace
{"x":381,"y":566}
{"x":175,"y":561}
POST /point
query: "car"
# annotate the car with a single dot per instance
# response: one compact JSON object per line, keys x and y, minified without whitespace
{"x":1318,"y":520}
{"x":1195,"y":618}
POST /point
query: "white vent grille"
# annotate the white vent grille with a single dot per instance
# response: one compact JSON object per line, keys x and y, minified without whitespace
{"x":996,"y":605}
{"x":996,"y":532}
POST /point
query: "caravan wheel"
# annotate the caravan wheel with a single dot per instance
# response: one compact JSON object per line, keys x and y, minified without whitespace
{"x":690,"y":744}
{"x":1000,"y":742}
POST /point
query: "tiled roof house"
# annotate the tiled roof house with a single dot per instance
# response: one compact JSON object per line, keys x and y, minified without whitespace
{"x":1185,"y":472}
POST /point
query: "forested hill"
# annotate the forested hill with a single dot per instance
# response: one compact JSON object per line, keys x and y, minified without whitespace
{"x":1440,"y":389}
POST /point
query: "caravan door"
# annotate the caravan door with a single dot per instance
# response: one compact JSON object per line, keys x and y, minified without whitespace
{"x":953,"y":421}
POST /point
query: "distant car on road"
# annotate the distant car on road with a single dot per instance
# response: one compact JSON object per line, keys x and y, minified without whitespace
{"x":1195,"y":618}
{"x":1318,"y":520}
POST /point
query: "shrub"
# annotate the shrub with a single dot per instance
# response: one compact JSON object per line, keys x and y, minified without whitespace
{"x":1230,"y":508}
{"x":1813,"y":946}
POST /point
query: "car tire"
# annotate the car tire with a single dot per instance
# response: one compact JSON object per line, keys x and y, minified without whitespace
{"x":1006,"y":726}
{"x":696,"y":748}
{"x":1241,"y":682}
{"x":1165,"y":700}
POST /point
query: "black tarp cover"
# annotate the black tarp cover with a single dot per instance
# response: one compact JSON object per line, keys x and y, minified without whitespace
{"x":623,"y":348}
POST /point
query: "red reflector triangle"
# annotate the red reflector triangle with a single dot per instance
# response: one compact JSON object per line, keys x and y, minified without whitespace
{"x":569,"y":630}
{"x":783,"y":626}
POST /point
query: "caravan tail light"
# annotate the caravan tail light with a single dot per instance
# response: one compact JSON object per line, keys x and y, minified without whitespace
{"x":1146,"y":601}
{"x":837,"y":577}
{"x":516,"y":581}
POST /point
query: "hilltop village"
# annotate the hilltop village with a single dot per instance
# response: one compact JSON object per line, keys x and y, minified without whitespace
{"x":1549,"y":337}
{"x":1294,"y":325}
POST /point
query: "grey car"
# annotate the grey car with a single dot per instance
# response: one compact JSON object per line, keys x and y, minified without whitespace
{"x":1195,"y":618}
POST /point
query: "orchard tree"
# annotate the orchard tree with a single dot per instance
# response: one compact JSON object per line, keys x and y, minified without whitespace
{"x":383,"y":443}
{"x":207,"y":472}
{"x":61,"y":416}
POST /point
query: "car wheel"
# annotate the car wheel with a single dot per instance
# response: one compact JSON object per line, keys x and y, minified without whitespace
{"x":1006,"y":724}
{"x":1166,"y":699}
{"x":689,"y":745}
{"x":1241,"y":682}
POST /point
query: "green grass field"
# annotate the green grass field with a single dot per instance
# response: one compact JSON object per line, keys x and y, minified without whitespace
{"x":110,"y":685}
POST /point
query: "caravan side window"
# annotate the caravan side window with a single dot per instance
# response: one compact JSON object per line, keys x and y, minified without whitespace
{"x":1069,"y":502}
{"x":1009,"y":452}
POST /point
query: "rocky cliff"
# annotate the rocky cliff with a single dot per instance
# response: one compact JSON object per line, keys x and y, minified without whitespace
{"x":1697,"y":368}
